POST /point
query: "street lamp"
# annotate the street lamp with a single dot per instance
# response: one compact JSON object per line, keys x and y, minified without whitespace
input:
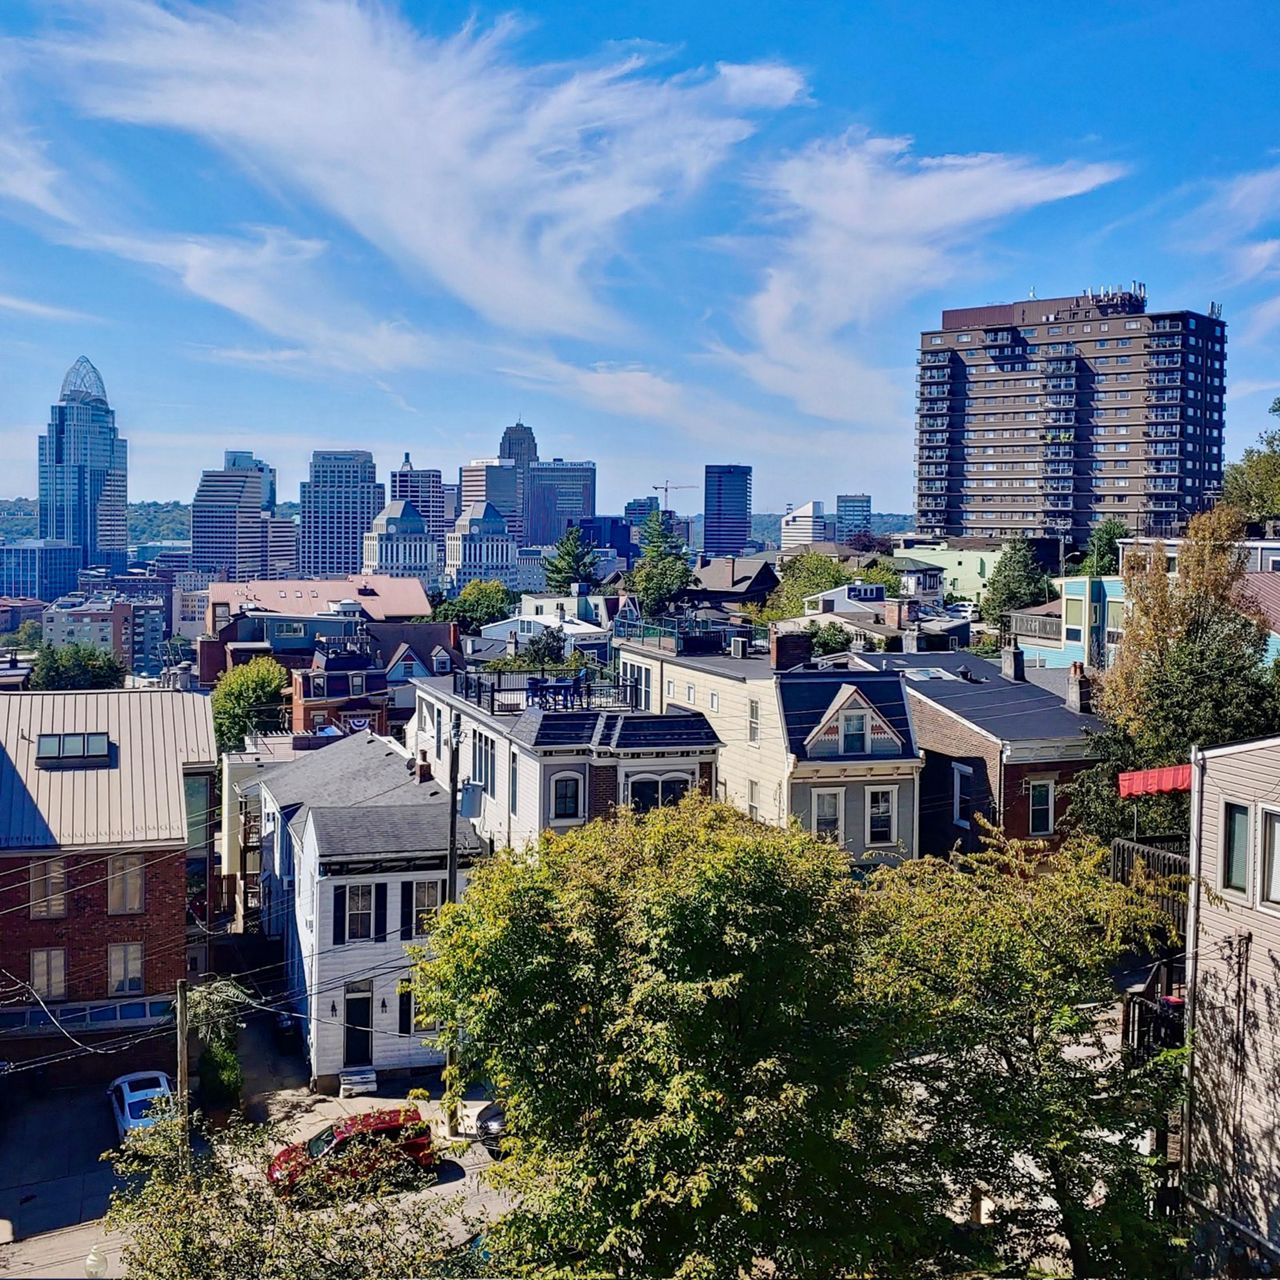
{"x":96,"y":1263}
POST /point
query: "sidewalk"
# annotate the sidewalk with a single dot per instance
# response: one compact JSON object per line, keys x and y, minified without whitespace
{"x":59,"y":1255}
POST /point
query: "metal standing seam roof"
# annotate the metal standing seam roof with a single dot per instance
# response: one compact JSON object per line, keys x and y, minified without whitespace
{"x":137,"y":798}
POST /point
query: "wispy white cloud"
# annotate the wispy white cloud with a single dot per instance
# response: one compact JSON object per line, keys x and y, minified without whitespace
{"x":507,"y":185}
{"x":861,"y":226}
{"x":41,"y":310}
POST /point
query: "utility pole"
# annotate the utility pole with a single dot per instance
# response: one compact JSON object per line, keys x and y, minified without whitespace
{"x":451,"y":884}
{"x":184,"y":1068}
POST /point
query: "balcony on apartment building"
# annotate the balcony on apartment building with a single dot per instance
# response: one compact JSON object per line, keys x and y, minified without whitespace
{"x":547,"y":689}
{"x":693,"y":635}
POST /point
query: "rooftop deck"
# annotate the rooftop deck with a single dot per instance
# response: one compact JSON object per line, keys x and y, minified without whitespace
{"x":513,"y":692}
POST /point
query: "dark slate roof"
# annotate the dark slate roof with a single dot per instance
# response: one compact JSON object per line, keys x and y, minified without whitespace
{"x":361,"y":769}
{"x":807,"y":696}
{"x":422,"y":638}
{"x":615,"y":730}
{"x":736,"y":574}
{"x":1011,"y":710}
{"x":419,"y":828}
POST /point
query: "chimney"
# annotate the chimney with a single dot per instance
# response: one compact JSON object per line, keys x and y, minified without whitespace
{"x":1079,"y":690}
{"x":789,"y":649}
{"x":513,"y":644}
{"x":1013,"y":661}
{"x":911,"y":640}
{"x":422,"y":769}
{"x":453,"y":636}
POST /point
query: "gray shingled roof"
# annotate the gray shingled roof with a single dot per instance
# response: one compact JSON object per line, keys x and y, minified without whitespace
{"x":379,"y":828}
{"x":1011,"y":710}
{"x":359,"y":770}
{"x":137,"y":798}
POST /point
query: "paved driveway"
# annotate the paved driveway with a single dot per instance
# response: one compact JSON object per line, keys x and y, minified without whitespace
{"x":50,"y":1173}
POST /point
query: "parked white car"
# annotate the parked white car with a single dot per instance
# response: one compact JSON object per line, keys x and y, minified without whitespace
{"x":138,"y":1099}
{"x":963,"y":609}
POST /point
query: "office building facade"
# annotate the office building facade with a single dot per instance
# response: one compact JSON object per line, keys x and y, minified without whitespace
{"x":226,"y":523}
{"x":423,"y":488}
{"x":42,"y":568}
{"x":520,"y":445}
{"x":1043,"y":417}
{"x":84,"y":471}
{"x":243,"y":460}
{"x":400,"y":545}
{"x":480,"y":549}
{"x":638,"y":510}
{"x":853,"y":515}
{"x":726,"y":509}
{"x":133,"y":628}
{"x":560,"y":493}
{"x":497,"y":482}
{"x":806,"y":524}
{"x":339,"y":504}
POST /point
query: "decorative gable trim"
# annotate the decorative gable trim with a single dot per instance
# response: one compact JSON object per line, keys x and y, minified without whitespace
{"x":849,"y":699}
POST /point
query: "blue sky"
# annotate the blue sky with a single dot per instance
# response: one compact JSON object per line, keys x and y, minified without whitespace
{"x":663,"y":234}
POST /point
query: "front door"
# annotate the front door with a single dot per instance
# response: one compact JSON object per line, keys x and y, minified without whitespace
{"x":358,"y":1035}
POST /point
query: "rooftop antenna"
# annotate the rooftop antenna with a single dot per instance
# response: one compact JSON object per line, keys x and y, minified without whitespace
{"x":1032,"y":294}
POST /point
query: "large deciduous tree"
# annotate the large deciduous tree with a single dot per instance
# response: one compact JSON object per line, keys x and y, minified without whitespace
{"x":1102,"y":552}
{"x":1016,"y":581}
{"x":477,"y":605}
{"x":1253,"y":483}
{"x":661,"y":573}
{"x":572,"y":561}
{"x":76,"y":666}
{"x":247,"y":698}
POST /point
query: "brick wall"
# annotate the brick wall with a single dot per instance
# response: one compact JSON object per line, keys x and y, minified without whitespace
{"x":86,"y":931}
{"x":1017,"y":796}
{"x":602,"y":790}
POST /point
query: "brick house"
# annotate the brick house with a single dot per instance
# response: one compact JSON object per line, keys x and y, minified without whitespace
{"x":994,"y":743}
{"x":537,"y":754}
{"x":104,"y":809}
{"x":342,"y":687}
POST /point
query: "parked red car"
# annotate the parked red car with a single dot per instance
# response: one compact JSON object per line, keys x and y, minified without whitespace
{"x":338,"y":1147}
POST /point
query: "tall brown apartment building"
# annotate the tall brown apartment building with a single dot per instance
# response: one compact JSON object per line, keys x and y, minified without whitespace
{"x":1045,"y":416}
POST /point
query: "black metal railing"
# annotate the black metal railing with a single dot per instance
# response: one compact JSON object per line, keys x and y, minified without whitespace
{"x":1164,"y":858}
{"x":547,"y":689}
{"x":1153,"y":1015}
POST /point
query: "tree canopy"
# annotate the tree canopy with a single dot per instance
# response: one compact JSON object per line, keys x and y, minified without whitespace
{"x":28,"y":636}
{"x":247,"y":698}
{"x":573,"y":560}
{"x":662,"y":573}
{"x":1102,"y":552}
{"x":76,"y":666}
{"x":477,"y":605}
{"x":1016,"y":581}
{"x":1253,"y":483}
{"x":723,"y":1056}
{"x":812,"y":573}
{"x":828,"y":638}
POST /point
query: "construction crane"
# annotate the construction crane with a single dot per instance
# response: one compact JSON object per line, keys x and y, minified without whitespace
{"x":665,"y":489}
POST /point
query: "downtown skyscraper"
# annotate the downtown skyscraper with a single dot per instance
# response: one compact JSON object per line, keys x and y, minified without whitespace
{"x":726,"y":509}
{"x":84,"y":472}
{"x":339,"y":504}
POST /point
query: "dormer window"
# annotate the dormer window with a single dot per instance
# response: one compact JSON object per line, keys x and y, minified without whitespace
{"x":853,"y":733}
{"x":317,"y":686}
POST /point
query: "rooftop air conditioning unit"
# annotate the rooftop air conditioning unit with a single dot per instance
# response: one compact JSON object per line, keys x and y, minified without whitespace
{"x":738,"y":647}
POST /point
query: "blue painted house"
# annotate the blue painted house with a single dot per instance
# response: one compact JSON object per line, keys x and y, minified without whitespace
{"x":1083,"y":625}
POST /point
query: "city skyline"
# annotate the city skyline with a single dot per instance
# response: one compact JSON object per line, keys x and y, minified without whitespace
{"x":740,"y":258}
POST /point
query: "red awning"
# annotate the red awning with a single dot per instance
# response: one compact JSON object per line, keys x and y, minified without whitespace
{"x":1155,"y":782}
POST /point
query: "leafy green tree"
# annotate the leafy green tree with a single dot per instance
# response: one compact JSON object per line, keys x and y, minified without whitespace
{"x":671,"y":1010}
{"x":828,"y":638}
{"x":210,"y":1213}
{"x":247,"y":698}
{"x":661,"y":574}
{"x":1253,"y":483}
{"x":1016,"y":582}
{"x":573,"y":560}
{"x":811,"y":574}
{"x":29,"y":635}
{"x":1102,"y":552}
{"x":546,"y":649}
{"x":76,"y":666}
{"x":1002,"y":965}
{"x":477,"y":605}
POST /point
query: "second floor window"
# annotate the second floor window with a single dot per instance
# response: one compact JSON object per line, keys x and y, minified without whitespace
{"x":49,"y":973}
{"x":853,"y":734}
{"x":1041,"y":819}
{"x":48,"y":888}
{"x":753,"y":800}
{"x":565,"y":797}
{"x":359,"y":911}
{"x":1235,"y":848}
{"x":482,"y":763}
{"x":753,"y":720}
{"x":124,"y":886}
{"x":124,"y":965}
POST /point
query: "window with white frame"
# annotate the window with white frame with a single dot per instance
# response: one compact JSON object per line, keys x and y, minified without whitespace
{"x":828,"y":815}
{"x":359,"y":912}
{"x":753,"y":800}
{"x":753,"y":720}
{"x":427,"y":897}
{"x":357,"y":684}
{"x":513,"y":782}
{"x":49,"y":973}
{"x":1270,"y":888}
{"x":1041,"y":807}
{"x":439,"y":733}
{"x":124,"y":884}
{"x":483,"y":763}
{"x":124,"y":966}
{"x":48,"y":888}
{"x":1235,"y":847}
{"x":671,"y":688}
{"x":640,"y":678}
{"x":690,"y":695}
{"x":651,"y":791}
{"x":961,"y":795}
{"x":853,"y":733}
{"x":715,"y":701}
{"x":566,"y":797}
{"x":882,"y":817}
